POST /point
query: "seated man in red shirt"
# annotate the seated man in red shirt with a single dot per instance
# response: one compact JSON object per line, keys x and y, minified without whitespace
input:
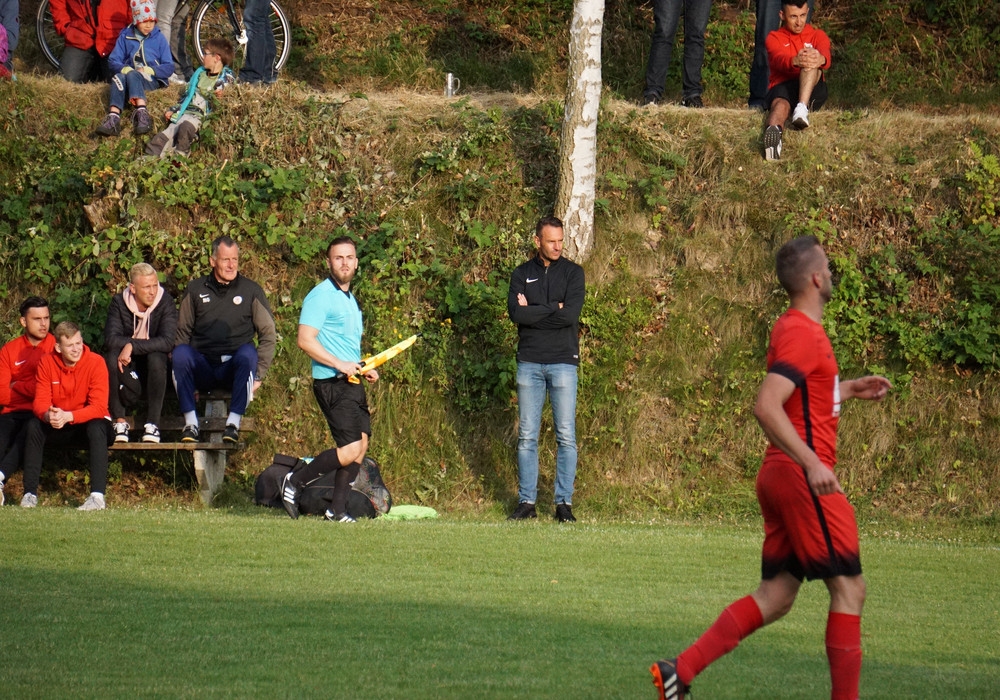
{"x":70,"y":407}
{"x":19,"y":359}
{"x":797,"y":53}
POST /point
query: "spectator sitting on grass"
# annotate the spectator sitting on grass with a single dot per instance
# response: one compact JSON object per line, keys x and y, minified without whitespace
{"x":185,"y":118}
{"x":797,"y":53}
{"x":141,"y":61}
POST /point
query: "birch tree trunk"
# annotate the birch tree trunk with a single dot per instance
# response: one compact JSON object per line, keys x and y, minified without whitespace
{"x":578,"y":144}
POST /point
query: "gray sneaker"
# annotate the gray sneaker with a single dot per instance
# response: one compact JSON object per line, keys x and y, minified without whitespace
{"x":29,"y":500}
{"x":142,"y":123}
{"x":94,"y":502}
{"x":111,"y":126}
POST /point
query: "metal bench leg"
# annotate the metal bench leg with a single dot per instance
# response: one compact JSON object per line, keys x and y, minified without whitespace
{"x":209,"y":468}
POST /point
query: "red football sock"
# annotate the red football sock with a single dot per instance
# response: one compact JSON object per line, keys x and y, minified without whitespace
{"x":843,"y":649}
{"x":737,"y":622}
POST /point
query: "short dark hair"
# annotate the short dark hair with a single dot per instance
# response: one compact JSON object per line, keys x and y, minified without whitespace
{"x":552,"y":221}
{"x":66,"y":329}
{"x":793,"y":3}
{"x":794,"y":262}
{"x":222,"y":241}
{"x":339,"y":240}
{"x":33,"y":303}
{"x":222,"y":47}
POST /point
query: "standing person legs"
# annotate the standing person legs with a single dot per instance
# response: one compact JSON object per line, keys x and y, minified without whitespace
{"x":696,"y":13}
{"x":258,"y":66}
{"x":561,"y":382}
{"x":666,"y":14}
{"x":531,"y":388}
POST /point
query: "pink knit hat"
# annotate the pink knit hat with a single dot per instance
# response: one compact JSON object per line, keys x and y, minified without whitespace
{"x":142,"y":10}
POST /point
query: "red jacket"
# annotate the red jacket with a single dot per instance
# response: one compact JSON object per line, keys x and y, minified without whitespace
{"x":18,"y":364}
{"x":85,"y":27}
{"x":783,"y":47}
{"x":81,"y":389}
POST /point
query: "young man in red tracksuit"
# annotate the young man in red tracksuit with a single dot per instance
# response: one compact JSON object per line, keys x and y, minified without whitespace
{"x":19,"y":360}
{"x":797,"y":54}
{"x":70,"y":406}
{"x":809,"y":526}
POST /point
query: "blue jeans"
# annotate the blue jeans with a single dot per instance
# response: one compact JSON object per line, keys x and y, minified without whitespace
{"x":193,"y":371}
{"x":666,"y":14}
{"x":130,"y":86}
{"x":767,"y":22}
{"x":533,"y":382}
{"x":258,"y":66}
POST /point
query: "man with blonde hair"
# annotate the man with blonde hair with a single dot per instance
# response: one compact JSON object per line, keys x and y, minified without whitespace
{"x":70,"y":407}
{"x":138,"y":337}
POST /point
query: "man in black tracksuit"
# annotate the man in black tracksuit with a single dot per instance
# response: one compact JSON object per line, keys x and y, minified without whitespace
{"x":545,"y":299}
{"x":220,"y":315}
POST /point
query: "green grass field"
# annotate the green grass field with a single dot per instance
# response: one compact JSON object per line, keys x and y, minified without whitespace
{"x":175,"y":603}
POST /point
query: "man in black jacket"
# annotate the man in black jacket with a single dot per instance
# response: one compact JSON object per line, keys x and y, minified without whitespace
{"x":545,"y":299}
{"x":138,"y":337}
{"x":220,"y":316}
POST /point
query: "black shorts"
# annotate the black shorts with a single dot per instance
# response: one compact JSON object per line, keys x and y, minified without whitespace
{"x":345,"y":407}
{"x":789,"y":90}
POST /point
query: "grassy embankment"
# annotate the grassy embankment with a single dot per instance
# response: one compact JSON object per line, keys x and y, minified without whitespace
{"x":444,"y":193}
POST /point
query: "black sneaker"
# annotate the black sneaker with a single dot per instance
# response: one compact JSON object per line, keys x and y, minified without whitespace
{"x":523,"y":511}
{"x":290,"y":497}
{"x":666,"y":681}
{"x":564,"y":513}
{"x":142,"y":123}
{"x":649,"y":100}
{"x":693,"y":102}
{"x":190,"y":433}
{"x":772,"y":143}
{"x":231,"y":434}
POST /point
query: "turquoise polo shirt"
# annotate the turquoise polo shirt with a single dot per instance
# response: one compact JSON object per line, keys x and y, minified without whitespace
{"x":337,"y":316}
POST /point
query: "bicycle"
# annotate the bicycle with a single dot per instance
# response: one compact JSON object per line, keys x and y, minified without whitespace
{"x":211,"y":18}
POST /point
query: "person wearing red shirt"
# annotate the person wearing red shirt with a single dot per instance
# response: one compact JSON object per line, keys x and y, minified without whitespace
{"x":70,"y":406}
{"x":797,"y":55}
{"x":90,"y":30}
{"x":18,"y":361}
{"x":809,"y":527}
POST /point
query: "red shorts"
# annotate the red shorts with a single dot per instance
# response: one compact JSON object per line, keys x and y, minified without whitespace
{"x":812,"y":537}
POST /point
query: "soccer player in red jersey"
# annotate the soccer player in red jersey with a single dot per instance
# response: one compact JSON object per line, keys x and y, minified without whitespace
{"x":809,"y":527}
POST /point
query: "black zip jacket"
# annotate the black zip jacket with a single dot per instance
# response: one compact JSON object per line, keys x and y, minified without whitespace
{"x":546,"y":333}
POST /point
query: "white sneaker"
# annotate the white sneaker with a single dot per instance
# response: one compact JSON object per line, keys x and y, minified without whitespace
{"x":29,"y":500}
{"x":121,"y":432}
{"x":151,"y":434}
{"x":800,"y":117}
{"x":94,"y":502}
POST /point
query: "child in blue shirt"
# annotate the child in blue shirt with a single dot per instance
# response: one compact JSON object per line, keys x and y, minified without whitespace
{"x":141,"y":61}
{"x":185,"y":117}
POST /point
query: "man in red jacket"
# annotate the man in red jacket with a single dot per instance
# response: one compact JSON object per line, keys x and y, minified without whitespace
{"x":797,"y":54}
{"x":18,"y":361}
{"x":90,"y":30}
{"x":71,"y":405}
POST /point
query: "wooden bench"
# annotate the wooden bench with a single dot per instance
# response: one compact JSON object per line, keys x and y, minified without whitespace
{"x":209,"y":452}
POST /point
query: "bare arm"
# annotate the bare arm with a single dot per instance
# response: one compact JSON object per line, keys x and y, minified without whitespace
{"x":770,"y":413}
{"x":870,"y":388}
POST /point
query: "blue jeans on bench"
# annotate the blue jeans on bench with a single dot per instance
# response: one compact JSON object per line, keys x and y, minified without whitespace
{"x":193,"y":371}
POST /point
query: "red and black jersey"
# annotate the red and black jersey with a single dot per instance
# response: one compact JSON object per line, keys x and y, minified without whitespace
{"x":800,"y":351}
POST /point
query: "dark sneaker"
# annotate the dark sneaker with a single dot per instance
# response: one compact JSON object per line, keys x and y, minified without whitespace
{"x":142,"y":123}
{"x":666,"y":681}
{"x":694,"y":102}
{"x":290,"y":497}
{"x":649,"y":100}
{"x":564,"y":513}
{"x":121,"y":432}
{"x":190,"y":433}
{"x":342,"y":518}
{"x":231,"y":434}
{"x":111,"y":126}
{"x":772,"y":143}
{"x":523,"y":511}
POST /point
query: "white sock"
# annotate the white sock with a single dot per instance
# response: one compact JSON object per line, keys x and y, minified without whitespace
{"x":234,"y":419}
{"x":191,"y":418}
